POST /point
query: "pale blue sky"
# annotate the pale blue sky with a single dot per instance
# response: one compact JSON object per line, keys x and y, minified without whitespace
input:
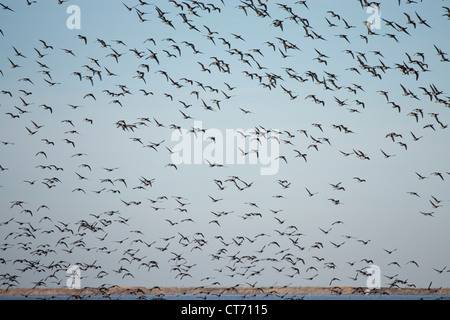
{"x":380,"y":209}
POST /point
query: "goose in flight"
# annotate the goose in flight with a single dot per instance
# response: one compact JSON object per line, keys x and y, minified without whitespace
{"x":438,"y":174}
{"x":387,"y":156}
{"x":310,"y":193}
{"x":245,"y":111}
{"x":335,"y":202}
{"x":45,"y":45}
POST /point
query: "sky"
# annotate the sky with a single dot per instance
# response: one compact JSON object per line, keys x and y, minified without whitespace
{"x":269,"y":229}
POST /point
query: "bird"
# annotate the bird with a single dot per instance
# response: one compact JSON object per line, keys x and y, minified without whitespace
{"x":245,"y":111}
{"x":387,"y":156}
{"x":309,"y":193}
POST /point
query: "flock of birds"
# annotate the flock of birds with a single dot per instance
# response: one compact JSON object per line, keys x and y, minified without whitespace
{"x":38,"y":244}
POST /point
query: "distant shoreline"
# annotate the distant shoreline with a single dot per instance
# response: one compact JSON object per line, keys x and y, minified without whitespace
{"x":157,"y":291}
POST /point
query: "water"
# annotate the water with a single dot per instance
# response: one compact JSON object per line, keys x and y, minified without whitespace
{"x":235,"y":297}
